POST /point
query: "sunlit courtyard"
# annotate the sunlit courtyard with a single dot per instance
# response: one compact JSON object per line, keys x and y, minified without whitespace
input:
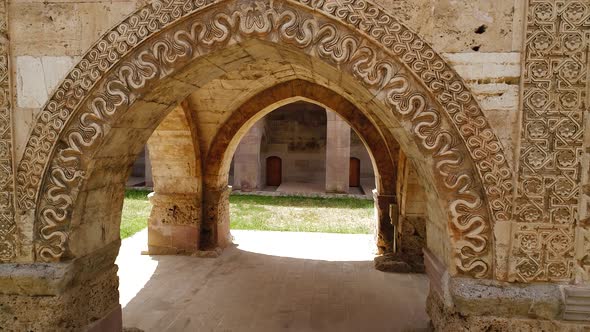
{"x":347,"y":215}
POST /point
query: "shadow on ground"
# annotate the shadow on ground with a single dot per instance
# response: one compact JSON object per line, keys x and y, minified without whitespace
{"x":245,"y":291}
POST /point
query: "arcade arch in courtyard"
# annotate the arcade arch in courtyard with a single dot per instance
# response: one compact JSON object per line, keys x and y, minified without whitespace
{"x":355,"y":59}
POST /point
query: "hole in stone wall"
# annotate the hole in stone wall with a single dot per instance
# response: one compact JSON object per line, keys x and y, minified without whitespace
{"x":482,"y":28}
{"x":476,"y":48}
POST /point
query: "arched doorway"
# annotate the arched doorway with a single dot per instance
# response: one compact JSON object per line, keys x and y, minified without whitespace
{"x":101,"y":116}
{"x":274,"y":171}
{"x":354,"y":177}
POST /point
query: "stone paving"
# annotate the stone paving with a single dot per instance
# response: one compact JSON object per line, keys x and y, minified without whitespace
{"x":271,"y":281}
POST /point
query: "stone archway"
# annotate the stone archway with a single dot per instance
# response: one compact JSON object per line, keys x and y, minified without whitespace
{"x":382,"y":147}
{"x":136,"y":73}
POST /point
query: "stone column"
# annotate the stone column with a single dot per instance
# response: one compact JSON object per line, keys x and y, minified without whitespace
{"x":173,"y":226}
{"x":337,"y":153}
{"x":149,"y":180}
{"x":247,"y":159}
{"x":174,"y":222}
{"x":384,"y":231}
{"x":215,"y":231}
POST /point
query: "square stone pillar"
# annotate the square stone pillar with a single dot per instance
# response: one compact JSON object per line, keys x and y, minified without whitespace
{"x":149,"y":179}
{"x":385,"y":230}
{"x":215,"y":232}
{"x":247,"y":174}
{"x":174,"y":223}
{"x":337,"y":153}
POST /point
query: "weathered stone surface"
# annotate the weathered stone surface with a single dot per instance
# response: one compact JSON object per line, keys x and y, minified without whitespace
{"x":399,"y":263}
{"x":215,"y":228}
{"x":577,"y":303}
{"x":447,"y":320}
{"x":61,"y":296}
{"x":456,"y":26}
{"x":337,"y":153}
{"x":37,"y":77}
{"x":35,"y":279}
{"x":174,"y":224}
{"x":132,"y":329}
{"x":247,"y":164}
{"x":385,"y":205}
{"x":484,"y":298}
{"x":382,"y":77}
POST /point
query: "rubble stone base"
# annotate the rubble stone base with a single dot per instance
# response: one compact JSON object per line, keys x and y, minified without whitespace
{"x":446,"y":320}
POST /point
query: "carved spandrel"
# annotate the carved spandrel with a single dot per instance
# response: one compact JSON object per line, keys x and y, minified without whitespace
{"x":555,"y":83}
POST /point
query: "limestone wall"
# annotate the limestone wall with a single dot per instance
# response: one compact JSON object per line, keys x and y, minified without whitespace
{"x":482,"y":41}
{"x":296,"y":133}
{"x":358,"y":150}
{"x":47,"y":38}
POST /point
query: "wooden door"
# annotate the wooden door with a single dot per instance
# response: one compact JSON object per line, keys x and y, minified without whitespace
{"x":354,"y":177}
{"x":274,"y":173}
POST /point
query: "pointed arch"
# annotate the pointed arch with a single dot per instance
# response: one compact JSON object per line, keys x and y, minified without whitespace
{"x":163,"y":49}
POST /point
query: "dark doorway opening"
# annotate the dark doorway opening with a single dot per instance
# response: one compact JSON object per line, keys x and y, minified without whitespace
{"x":354,"y":177}
{"x":273,"y":171}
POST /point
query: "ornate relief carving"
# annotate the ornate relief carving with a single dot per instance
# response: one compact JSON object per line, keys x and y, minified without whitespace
{"x":446,"y":85}
{"x":555,"y":83}
{"x":89,"y":99}
{"x":7,"y":222}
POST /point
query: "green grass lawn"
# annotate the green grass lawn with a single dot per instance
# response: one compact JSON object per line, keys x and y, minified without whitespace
{"x":136,"y":210}
{"x":283,"y":213}
{"x":301,"y":214}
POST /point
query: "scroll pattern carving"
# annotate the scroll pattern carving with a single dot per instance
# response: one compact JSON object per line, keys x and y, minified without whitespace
{"x":446,"y":85}
{"x":555,"y":81}
{"x":7,"y":221}
{"x":95,"y":106}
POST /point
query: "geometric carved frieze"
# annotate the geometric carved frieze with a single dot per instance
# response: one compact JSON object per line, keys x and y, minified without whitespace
{"x":554,"y":100}
{"x":7,"y":222}
{"x":365,"y":42}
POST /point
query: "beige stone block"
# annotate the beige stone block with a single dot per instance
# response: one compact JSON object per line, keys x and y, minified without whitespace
{"x":497,"y":96}
{"x":415,"y":14}
{"x":259,"y":50}
{"x":337,"y":153}
{"x":505,"y":125}
{"x":107,"y":171}
{"x":99,"y":219}
{"x":98,"y":17}
{"x":176,"y":184}
{"x":23,"y":121}
{"x":518,"y":30}
{"x":143,"y":115}
{"x":469,"y":25}
{"x":231,"y":57}
{"x":168,"y":169}
{"x":124,"y":142}
{"x":37,"y":77}
{"x":495,"y":67}
{"x":39,"y":29}
{"x":167,"y":91}
{"x":199,"y":73}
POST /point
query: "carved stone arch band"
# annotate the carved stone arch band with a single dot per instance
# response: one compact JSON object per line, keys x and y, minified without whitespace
{"x":403,"y":73}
